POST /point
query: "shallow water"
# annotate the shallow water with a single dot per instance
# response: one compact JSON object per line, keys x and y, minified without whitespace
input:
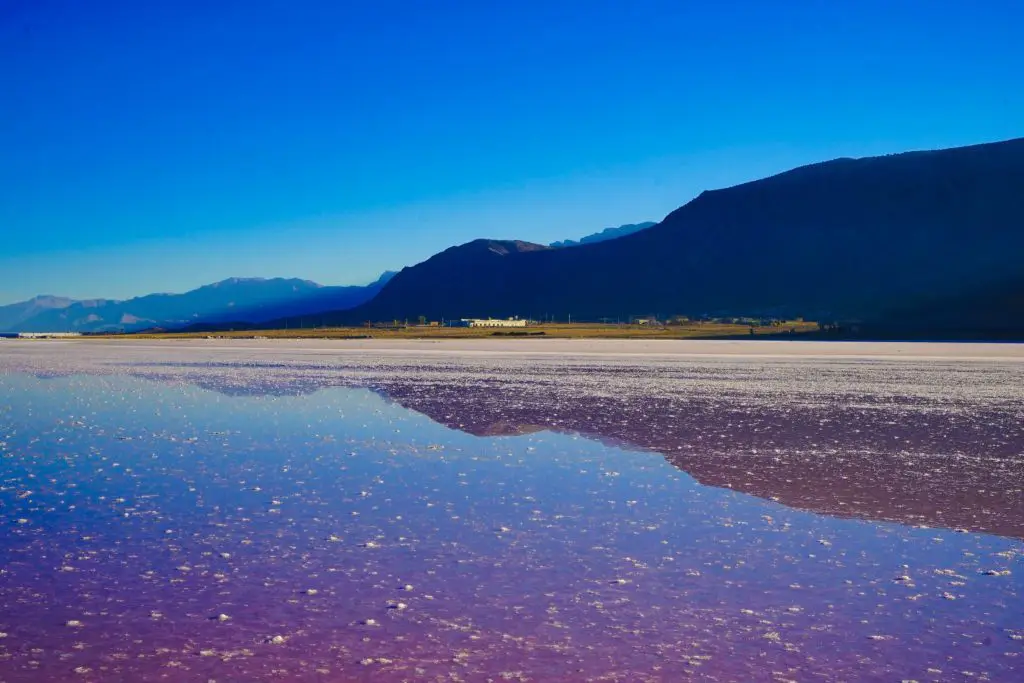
{"x":346,"y":536}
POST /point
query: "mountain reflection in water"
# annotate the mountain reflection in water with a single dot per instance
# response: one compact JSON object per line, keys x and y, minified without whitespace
{"x":942,"y":469}
{"x":932,"y":456}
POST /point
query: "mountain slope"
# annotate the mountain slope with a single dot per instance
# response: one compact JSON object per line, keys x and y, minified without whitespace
{"x":231,"y":300}
{"x":605,"y":235}
{"x":12,"y":316}
{"x":849,"y":238}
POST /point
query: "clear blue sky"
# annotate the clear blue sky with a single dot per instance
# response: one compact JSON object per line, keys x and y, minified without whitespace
{"x":162,"y":144}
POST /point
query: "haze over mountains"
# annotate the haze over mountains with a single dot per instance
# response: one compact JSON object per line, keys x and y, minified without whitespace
{"x":249,"y":300}
{"x":13,"y":316}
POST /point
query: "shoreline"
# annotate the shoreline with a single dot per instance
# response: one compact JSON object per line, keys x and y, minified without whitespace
{"x":578,"y":347}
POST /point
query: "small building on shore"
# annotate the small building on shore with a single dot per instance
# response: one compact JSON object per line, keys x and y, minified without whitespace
{"x":490,"y":322}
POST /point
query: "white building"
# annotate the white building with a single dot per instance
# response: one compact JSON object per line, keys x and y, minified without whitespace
{"x":492,"y":322}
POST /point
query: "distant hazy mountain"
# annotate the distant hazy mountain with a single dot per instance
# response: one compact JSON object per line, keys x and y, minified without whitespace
{"x":606,"y":234}
{"x":865,"y":239}
{"x":13,"y":315}
{"x":233,"y":300}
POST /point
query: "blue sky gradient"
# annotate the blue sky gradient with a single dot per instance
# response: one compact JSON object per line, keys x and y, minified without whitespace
{"x":161,"y":145}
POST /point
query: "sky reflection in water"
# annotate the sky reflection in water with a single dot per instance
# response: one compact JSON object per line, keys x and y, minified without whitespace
{"x":343,"y":537}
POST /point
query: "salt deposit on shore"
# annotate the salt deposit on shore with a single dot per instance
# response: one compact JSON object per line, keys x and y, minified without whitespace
{"x":573,"y":347}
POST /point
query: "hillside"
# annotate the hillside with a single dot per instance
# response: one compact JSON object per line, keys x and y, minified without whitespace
{"x":843,"y":239}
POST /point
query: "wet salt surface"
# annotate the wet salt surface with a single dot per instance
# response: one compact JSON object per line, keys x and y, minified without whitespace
{"x":189,"y":518}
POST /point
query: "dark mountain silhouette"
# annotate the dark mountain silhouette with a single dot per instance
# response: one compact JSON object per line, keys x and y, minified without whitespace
{"x":606,"y":234}
{"x":248,"y":300}
{"x":13,"y":315}
{"x":839,"y":240}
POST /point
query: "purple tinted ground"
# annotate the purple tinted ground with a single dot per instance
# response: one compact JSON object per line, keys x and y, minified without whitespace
{"x":346,"y":537}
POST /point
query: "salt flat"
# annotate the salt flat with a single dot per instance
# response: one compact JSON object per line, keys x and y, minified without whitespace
{"x":915,"y":432}
{"x":510,"y":510}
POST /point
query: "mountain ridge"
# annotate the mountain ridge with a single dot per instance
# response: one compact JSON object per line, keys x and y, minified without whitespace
{"x":839,"y":239}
